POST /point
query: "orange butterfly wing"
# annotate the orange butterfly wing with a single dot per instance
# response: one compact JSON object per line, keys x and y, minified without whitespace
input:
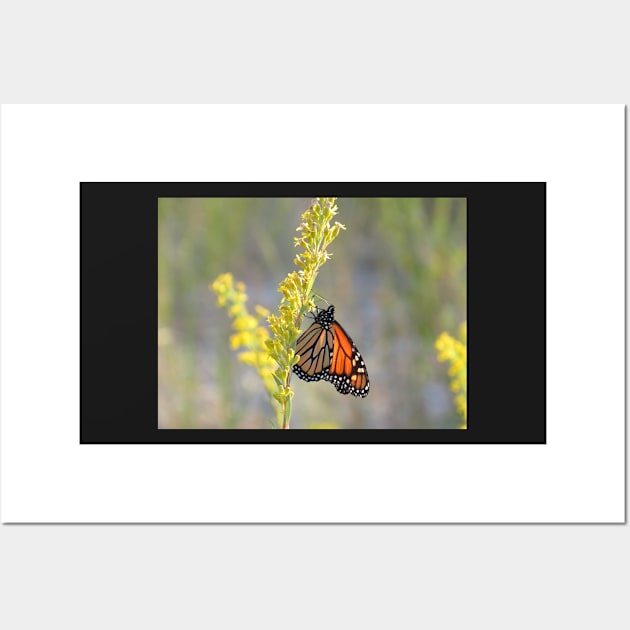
{"x":347,"y":369}
{"x":327,"y":353}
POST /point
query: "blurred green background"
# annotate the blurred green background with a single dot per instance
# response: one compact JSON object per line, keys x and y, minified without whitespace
{"x":397,"y":279}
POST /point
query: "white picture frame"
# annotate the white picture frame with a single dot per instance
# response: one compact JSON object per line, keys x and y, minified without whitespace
{"x":577,"y":476}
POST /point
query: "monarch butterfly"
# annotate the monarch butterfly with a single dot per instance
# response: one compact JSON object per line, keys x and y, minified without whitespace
{"x":327,"y":353}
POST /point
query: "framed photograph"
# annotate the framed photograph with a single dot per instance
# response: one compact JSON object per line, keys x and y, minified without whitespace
{"x":461,"y":350}
{"x":397,"y":276}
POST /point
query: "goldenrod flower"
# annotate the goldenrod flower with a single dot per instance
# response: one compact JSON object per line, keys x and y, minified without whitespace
{"x":323,"y":425}
{"x":454,"y":350}
{"x":316,"y":234}
{"x":274,"y":357}
{"x":250,"y":334}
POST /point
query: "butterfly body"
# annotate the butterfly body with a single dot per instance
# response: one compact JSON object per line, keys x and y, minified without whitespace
{"x":328,"y":353}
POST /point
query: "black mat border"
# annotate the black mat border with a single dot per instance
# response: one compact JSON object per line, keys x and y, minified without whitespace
{"x":506,"y":320}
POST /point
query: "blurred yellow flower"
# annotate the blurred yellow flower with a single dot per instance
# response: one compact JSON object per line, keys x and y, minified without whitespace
{"x":454,"y":351}
{"x":250,"y":334}
{"x":322,"y":425}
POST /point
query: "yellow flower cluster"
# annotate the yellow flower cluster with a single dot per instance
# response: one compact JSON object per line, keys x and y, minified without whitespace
{"x":322,"y":425}
{"x":249,"y":334}
{"x":273,"y":357}
{"x":317,"y":233}
{"x":454,"y":351}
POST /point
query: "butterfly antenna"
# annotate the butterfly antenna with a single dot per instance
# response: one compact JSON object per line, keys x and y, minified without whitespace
{"x":320,"y":297}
